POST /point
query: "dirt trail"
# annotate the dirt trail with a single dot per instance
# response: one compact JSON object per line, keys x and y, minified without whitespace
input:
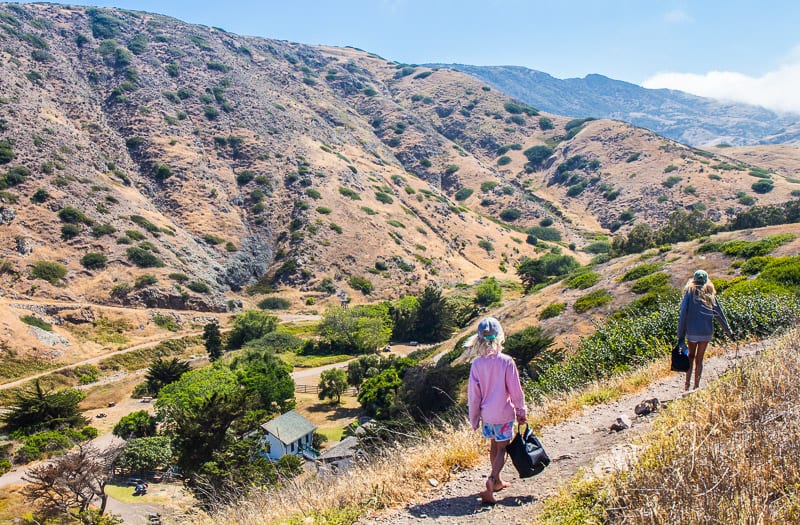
{"x":583,"y":441}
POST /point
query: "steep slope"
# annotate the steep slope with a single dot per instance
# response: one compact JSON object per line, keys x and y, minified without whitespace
{"x":680,"y":116}
{"x":151,"y":163}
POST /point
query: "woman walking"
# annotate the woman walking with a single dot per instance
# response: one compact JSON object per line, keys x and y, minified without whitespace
{"x":495,"y":398}
{"x":699,"y":308}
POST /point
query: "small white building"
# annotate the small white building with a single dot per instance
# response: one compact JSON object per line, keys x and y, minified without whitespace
{"x":289,"y":433}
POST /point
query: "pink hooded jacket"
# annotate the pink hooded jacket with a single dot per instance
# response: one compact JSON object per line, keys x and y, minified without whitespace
{"x":494,"y":392}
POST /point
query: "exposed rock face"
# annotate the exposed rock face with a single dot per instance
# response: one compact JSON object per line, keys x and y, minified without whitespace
{"x":7,"y":214}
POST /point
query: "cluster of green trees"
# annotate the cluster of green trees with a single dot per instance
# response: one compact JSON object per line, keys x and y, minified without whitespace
{"x":686,"y":225}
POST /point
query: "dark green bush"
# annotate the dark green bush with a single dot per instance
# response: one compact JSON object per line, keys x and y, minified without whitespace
{"x":510,"y":214}
{"x":544,"y":233}
{"x":145,"y":280}
{"x":72,"y":215}
{"x":747,"y":249}
{"x":274,"y":303}
{"x":463,"y":194}
{"x":94,"y":261}
{"x":361,"y":284}
{"x":763,"y":186}
{"x":70,"y":231}
{"x":143,"y":258}
{"x":198,"y":286}
{"x":536,"y":155}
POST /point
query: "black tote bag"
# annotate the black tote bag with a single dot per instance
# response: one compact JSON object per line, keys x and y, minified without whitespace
{"x":680,"y":359}
{"x":527,"y":453}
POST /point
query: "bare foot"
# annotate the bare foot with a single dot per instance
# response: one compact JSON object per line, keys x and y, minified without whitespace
{"x":500,"y":485}
{"x":487,"y":496}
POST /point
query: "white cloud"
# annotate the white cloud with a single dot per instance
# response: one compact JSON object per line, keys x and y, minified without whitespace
{"x":678,"y":16}
{"x":775,"y":90}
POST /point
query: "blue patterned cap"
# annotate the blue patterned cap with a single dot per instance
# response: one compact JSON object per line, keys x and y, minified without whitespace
{"x":700,"y":277}
{"x":489,"y":326}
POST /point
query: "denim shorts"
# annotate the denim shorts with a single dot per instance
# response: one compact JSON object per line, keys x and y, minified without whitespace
{"x":500,"y":432}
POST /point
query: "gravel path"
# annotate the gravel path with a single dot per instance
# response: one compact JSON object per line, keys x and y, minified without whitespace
{"x":583,"y":441}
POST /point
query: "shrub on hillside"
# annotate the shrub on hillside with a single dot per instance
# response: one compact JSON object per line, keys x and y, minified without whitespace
{"x":143,"y":258}
{"x":591,"y":300}
{"x":583,"y":280}
{"x":52,"y":272}
{"x":274,"y":303}
{"x":552,"y":310}
{"x":94,"y":261}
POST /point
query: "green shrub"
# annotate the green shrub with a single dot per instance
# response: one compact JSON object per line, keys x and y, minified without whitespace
{"x":545,"y":124}
{"x":650,"y":283}
{"x":745,"y":199}
{"x":536,"y":155}
{"x":324,"y":210}
{"x":671,"y":181}
{"x":72,"y":215}
{"x":347,"y":192}
{"x":544,"y":233}
{"x":552,"y":310}
{"x":198,"y":286}
{"x":640,"y":271}
{"x":486,"y":245}
{"x":143,"y":258}
{"x":593,"y":299}
{"x":747,"y":249}
{"x":583,"y":280}
{"x":488,"y":292}
{"x":463,"y":194}
{"x":274,"y":303}
{"x":103,"y":229}
{"x":94,"y":261}
{"x":35,"y":321}
{"x":70,"y":231}
{"x":52,"y":272}
{"x":598,"y":247}
{"x":504,"y":160}
{"x":314,"y":194}
{"x":145,"y":280}
{"x":763,"y":186}
{"x":361,"y":284}
{"x":510,"y":214}
{"x":162,"y":172}
{"x":383,"y":197}
{"x":166,"y":322}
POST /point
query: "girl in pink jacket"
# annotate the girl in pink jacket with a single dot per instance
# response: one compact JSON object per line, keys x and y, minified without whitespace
{"x":495,"y":398}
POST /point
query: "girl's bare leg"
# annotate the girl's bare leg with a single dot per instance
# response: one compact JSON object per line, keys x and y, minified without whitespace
{"x":698,"y":364}
{"x":497,"y":455}
{"x":692,"y":353}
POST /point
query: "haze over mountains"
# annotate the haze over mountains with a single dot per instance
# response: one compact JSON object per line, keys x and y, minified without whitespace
{"x":687,"y":118}
{"x":147,"y":162}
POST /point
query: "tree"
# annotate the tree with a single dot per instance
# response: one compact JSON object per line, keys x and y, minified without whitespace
{"x":250,"y":325}
{"x":527,"y":345}
{"x":361,"y":329}
{"x":536,"y":271}
{"x":488,"y":292}
{"x":403,"y":313}
{"x":364,"y":367}
{"x":39,"y":408}
{"x":137,"y":424}
{"x":145,"y":454}
{"x":434,"y":316}
{"x":213,"y":341}
{"x":163,"y":372}
{"x":379,"y":393}
{"x":197,"y":410}
{"x":266,"y":377}
{"x":332,"y":384}
{"x":67,"y":485}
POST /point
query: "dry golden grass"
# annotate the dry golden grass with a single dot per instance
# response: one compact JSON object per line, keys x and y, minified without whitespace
{"x":395,"y":477}
{"x":727,"y":454}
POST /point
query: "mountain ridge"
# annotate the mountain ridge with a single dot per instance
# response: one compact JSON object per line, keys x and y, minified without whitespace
{"x":691,"y":119}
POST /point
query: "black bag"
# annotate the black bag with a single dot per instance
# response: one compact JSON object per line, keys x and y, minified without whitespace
{"x":527,"y":453}
{"x":680,"y":359}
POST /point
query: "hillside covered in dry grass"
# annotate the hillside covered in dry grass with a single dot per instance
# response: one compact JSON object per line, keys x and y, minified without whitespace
{"x":149,"y":163}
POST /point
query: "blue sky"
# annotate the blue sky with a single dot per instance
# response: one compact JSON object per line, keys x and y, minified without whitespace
{"x":734,"y":49}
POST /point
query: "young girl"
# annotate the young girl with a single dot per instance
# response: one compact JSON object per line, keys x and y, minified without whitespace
{"x":495,"y":398}
{"x":699,"y":308}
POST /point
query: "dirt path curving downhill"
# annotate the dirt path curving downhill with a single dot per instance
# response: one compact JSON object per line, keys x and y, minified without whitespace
{"x":583,"y":441}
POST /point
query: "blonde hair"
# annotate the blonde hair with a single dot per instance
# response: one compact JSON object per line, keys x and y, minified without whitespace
{"x":480,"y":346}
{"x":706,"y":292}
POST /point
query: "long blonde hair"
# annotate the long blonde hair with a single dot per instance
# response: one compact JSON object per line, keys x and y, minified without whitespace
{"x":480,"y":346}
{"x":706,"y":292}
